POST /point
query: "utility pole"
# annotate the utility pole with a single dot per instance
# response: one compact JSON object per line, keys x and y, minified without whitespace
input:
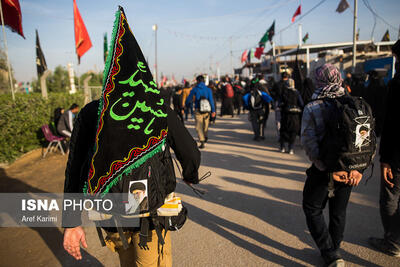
{"x":155,"y":28}
{"x":354,"y":37}
{"x":6,"y":51}
{"x":300,"y":32}
{"x":274,"y":60}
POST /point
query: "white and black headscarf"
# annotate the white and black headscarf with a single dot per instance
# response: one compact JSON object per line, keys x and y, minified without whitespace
{"x":328,"y":82}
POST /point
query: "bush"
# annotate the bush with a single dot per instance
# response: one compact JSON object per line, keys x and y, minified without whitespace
{"x":20,"y":121}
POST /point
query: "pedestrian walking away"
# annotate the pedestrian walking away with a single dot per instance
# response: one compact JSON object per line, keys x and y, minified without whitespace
{"x":177,"y":103}
{"x":204,"y":108}
{"x":276,"y":95}
{"x":329,"y":180}
{"x":227,"y":97}
{"x":131,"y":158}
{"x":389,"y":152}
{"x":291,"y":106}
{"x":185,"y":94}
{"x":238,"y":95}
{"x":256,"y":101}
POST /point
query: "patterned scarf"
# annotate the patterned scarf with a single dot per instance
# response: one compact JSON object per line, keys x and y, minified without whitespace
{"x":132,"y":124}
{"x":328,"y":82}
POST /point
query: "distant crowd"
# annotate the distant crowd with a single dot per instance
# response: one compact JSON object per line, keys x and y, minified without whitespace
{"x":287,"y":97}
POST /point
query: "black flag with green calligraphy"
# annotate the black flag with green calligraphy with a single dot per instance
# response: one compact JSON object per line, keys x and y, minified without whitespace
{"x":132,"y":124}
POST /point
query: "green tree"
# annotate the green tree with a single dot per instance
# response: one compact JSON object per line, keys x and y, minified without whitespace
{"x":58,"y":81}
{"x":96,"y":80}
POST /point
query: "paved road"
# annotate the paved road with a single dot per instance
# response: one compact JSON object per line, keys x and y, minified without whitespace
{"x":250,"y":216}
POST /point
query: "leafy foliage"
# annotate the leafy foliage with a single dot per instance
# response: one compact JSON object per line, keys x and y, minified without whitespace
{"x":20,"y":121}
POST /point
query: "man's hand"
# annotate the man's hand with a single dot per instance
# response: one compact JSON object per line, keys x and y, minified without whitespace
{"x":386,"y":174}
{"x":340,"y":176}
{"x":354,"y":178}
{"x":72,"y":239}
{"x":213,"y":115}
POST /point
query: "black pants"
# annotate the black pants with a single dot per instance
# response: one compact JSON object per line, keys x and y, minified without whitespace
{"x":390,"y":208}
{"x":315,"y":197}
{"x":258,"y":120}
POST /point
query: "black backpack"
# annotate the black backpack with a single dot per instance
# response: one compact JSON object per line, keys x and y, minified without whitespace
{"x":349,"y":142}
{"x":158,"y":175}
{"x":256,"y":101}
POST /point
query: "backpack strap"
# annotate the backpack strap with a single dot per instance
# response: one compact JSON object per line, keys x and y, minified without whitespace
{"x":117,"y":220}
{"x":100,"y":233}
{"x":144,"y":233}
{"x":158,"y":228}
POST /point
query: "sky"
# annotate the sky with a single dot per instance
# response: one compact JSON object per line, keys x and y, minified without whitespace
{"x":193,"y":36}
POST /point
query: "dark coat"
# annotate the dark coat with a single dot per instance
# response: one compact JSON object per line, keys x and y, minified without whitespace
{"x":390,"y":142}
{"x":83,"y":140}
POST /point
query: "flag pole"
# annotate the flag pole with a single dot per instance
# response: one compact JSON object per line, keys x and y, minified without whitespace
{"x":155,"y":28}
{"x":300,"y":32}
{"x":6,"y":50}
{"x":355,"y":37}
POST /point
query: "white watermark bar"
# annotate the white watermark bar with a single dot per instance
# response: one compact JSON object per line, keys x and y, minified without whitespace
{"x":71,"y":210}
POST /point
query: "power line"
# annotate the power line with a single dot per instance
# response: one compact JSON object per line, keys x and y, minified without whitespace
{"x":376,"y":15}
{"x":301,"y":17}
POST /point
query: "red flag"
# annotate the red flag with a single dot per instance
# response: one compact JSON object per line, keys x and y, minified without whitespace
{"x":298,"y":12}
{"x":82,"y":39}
{"x":12,"y":15}
{"x":244,"y":56}
{"x":259,"y":52}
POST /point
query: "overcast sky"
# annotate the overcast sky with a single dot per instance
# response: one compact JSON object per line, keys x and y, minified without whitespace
{"x":193,"y":35}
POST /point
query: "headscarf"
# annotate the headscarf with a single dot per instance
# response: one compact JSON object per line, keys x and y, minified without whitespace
{"x":328,"y":82}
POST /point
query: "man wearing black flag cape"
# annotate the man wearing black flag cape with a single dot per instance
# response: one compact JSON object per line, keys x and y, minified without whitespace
{"x":122,"y":141}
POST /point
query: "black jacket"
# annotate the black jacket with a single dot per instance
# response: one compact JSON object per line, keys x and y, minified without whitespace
{"x":390,"y":143}
{"x":83,"y":140}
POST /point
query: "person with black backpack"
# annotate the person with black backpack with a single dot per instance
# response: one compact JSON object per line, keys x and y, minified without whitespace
{"x":291,"y":106}
{"x":82,"y":142}
{"x":120,"y":150}
{"x":337,"y":134}
{"x":255,"y":101}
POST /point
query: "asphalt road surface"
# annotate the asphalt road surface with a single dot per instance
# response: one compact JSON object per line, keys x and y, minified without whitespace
{"x":251,"y":214}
